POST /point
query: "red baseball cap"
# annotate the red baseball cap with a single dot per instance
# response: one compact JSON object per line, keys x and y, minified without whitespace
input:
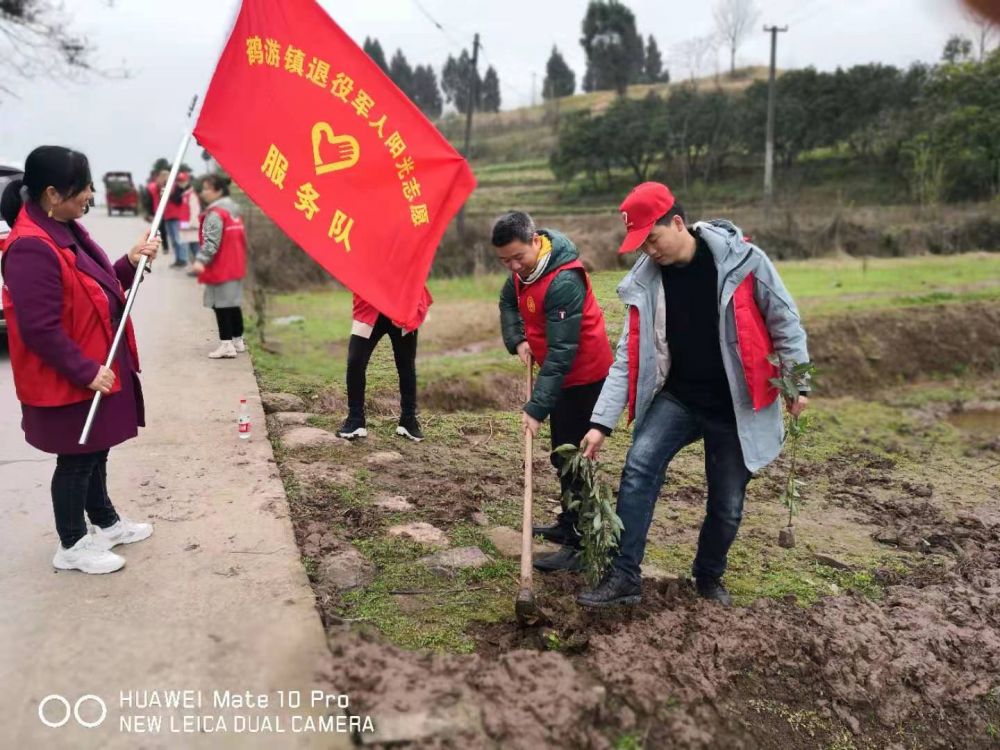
{"x":641,"y":209}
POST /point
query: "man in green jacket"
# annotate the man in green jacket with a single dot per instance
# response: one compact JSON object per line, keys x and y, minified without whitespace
{"x":548,"y":313}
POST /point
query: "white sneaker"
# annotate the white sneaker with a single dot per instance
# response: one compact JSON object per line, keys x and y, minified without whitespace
{"x":226,"y":350}
{"x":123,"y":532}
{"x":239,"y":344}
{"x":88,"y":555}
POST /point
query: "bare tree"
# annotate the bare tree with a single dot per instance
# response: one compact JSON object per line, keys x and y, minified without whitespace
{"x":984,"y":30}
{"x":693,"y":54}
{"x":734,"y":19}
{"x":36,"y":40}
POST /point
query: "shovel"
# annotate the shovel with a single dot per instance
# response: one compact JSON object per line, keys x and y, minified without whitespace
{"x":525,"y":608}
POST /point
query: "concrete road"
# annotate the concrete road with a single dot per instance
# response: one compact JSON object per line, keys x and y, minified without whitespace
{"x":216,"y":600}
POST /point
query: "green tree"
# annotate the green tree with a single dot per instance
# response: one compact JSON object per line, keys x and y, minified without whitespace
{"x":489,"y":101}
{"x":957,"y":49}
{"x":560,"y":80}
{"x":964,"y":129}
{"x":374,"y":50}
{"x":401,"y":73}
{"x":638,"y":125}
{"x":457,"y":78}
{"x":426,"y":94}
{"x":612,"y":45}
{"x":582,"y":148}
{"x":652,"y":70}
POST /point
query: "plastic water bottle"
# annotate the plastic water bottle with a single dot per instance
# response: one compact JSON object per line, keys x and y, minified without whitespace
{"x":244,"y":420}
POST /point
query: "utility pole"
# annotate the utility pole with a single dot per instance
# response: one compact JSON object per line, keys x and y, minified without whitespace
{"x":533,"y":75}
{"x":470,"y":106}
{"x":769,"y":147}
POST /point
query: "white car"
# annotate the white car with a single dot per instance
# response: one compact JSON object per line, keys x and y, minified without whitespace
{"x":7,"y":173}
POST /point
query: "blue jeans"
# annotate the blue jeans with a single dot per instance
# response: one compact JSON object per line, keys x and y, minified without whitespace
{"x":667,"y":427}
{"x":173,"y":227}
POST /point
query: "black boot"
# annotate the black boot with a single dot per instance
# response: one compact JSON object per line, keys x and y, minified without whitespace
{"x":615,"y":588}
{"x":561,"y":532}
{"x":566,"y":558}
{"x":353,"y":427}
{"x":409,"y":428}
{"x":713,"y":590}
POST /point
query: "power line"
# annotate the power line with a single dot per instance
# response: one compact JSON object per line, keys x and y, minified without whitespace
{"x":437,"y":23}
{"x":809,"y":12}
{"x":482,"y":48}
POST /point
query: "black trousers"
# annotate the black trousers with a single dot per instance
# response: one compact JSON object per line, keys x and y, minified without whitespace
{"x":230,"y":321}
{"x":80,"y":483}
{"x":569,"y":421}
{"x":164,"y":238}
{"x":359,"y":354}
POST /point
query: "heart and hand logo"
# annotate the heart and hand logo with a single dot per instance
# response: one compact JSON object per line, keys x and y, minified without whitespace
{"x":331,"y":152}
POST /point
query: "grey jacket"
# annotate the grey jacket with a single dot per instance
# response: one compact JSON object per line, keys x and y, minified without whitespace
{"x":761,"y":432}
{"x":212,"y":229}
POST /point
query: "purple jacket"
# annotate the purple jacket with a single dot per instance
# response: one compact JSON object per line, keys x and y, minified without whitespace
{"x":34,"y":282}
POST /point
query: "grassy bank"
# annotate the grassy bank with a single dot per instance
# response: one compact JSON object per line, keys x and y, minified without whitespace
{"x":461,"y":337}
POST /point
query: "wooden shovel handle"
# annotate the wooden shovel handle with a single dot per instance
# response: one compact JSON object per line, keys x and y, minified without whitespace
{"x":526,"y":536}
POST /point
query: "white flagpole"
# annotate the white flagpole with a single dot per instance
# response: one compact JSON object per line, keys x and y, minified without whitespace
{"x":139,"y":271}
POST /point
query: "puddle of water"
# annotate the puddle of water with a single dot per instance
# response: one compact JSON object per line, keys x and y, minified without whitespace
{"x":980,"y":422}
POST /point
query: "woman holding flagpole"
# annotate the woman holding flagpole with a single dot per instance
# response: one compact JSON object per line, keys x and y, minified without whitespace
{"x":63,"y":300}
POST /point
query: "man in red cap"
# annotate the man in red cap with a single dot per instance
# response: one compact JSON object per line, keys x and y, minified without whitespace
{"x":706,"y":309}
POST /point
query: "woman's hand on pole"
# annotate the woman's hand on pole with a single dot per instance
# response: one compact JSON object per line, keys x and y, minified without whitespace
{"x":145,"y":247}
{"x":104,"y":380}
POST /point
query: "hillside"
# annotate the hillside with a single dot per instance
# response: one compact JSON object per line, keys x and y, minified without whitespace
{"x":511,"y":148}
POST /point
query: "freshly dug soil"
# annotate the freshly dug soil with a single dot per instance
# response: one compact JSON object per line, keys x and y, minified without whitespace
{"x":919,"y":668}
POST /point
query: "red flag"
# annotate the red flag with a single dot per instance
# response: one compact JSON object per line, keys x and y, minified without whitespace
{"x":323,"y":141}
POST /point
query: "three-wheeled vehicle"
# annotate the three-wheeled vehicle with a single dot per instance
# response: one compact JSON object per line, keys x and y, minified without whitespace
{"x":121,"y":193}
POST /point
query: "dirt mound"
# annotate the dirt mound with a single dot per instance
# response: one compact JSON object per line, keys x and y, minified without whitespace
{"x":918,"y":665}
{"x":485,"y":393}
{"x":861,"y":352}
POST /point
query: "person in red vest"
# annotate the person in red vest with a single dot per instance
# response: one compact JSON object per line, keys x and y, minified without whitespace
{"x":154,"y":188}
{"x":175,"y":215}
{"x":367,"y":329}
{"x":221,"y":264}
{"x":63,"y":301}
{"x":705,"y":310}
{"x":548,"y":312}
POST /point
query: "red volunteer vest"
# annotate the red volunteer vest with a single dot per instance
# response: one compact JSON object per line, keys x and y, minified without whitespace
{"x":154,"y":195}
{"x":86,"y":319}
{"x":593,"y":357}
{"x":230,"y":262}
{"x":755,"y":347}
{"x":177,"y":211}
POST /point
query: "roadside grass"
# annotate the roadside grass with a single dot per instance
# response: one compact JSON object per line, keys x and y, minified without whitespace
{"x":416,"y":608}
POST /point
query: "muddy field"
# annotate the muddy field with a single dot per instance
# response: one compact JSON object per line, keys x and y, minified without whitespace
{"x":880,"y":629}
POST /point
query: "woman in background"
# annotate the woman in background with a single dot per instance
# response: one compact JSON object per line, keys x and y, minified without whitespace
{"x":221,"y":264}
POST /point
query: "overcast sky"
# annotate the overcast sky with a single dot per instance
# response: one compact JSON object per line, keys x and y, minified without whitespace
{"x":170,"y":47}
